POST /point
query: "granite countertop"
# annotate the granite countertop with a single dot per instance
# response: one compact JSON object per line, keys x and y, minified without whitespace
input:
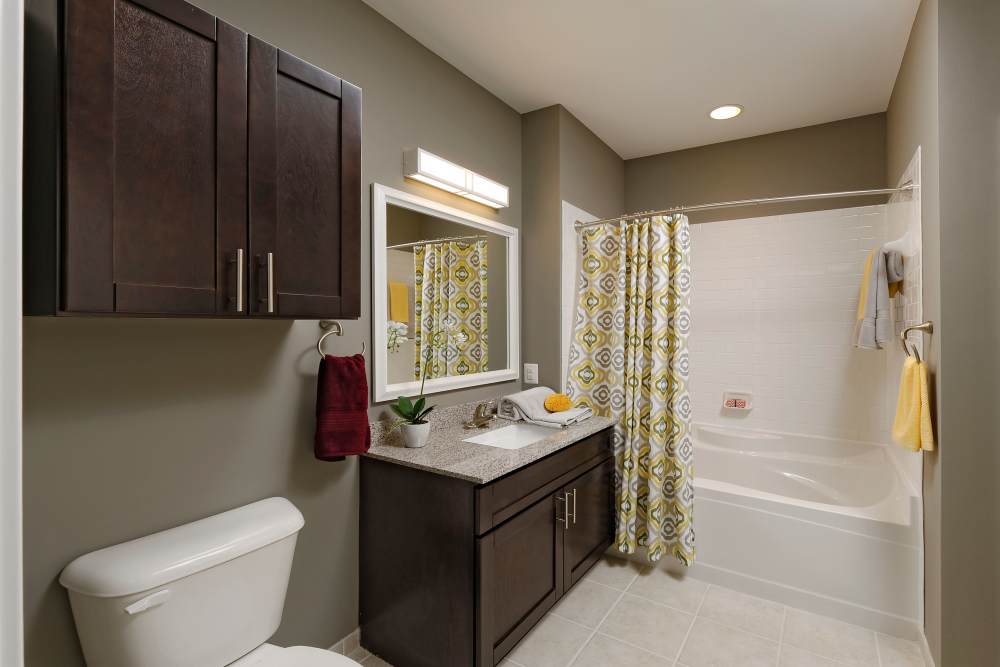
{"x":446,"y":454}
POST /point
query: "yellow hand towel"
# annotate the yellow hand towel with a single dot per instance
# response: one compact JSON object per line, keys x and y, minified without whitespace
{"x":399,"y":302}
{"x":865,"y":278}
{"x":912,"y":428}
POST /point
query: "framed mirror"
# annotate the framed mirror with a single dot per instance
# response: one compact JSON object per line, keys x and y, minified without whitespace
{"x":445,"y":297}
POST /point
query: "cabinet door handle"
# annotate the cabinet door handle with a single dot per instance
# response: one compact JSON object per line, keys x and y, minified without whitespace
{"x":239,"y":279}
{"x":565,"y":518}
{"x":266,"y":265}
{"x":270,"y":282}
{"x":574,"y":506}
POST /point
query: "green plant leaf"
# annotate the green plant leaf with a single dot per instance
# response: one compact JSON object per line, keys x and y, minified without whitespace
{"x":395,"y":408}
{"x":425,"y":412}
{"x":419,"y":405}
{"x":405,"y":405}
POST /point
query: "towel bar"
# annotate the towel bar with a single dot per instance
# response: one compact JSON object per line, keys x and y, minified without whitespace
{"x":332,"y":328}
{"x":923,"y":327}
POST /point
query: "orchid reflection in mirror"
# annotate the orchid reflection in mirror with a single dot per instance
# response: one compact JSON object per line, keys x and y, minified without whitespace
{"x":413,"y":413}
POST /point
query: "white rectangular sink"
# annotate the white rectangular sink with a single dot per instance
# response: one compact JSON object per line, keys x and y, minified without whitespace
{"x":514,"y":436}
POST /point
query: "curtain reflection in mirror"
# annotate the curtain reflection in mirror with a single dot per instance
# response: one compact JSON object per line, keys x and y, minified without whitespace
{"x":450,"y":306}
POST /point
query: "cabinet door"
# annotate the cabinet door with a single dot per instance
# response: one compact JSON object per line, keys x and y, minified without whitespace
{"x":155,"y":158}
{"x":305,"y":188}
{"x":520,"y":572}
{"x":588,"y":532}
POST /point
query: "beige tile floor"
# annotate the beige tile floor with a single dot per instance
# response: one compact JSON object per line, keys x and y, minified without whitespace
{"x":621,"y":614}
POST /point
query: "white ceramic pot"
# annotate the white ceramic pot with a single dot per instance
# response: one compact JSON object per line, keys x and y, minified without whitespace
{"x":415,"y":435}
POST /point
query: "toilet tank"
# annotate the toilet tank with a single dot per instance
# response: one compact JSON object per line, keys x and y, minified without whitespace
{"x":203,"y":594}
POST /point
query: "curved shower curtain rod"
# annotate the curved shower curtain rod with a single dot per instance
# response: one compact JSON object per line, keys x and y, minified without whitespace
{"x":905,"y":187}
{"x":441,"y":240}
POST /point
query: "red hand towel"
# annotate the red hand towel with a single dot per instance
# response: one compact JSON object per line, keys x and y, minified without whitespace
{"x":342,"y":408}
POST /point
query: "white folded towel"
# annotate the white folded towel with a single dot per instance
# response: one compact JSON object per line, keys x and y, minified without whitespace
{"x":529,"y":405}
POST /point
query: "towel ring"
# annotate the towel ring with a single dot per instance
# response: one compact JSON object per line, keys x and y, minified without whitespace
{"x":923,"y":327}
{"x":332,"y":328}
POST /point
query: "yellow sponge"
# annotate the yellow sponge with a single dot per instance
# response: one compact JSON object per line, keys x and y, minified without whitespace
{"x":558,"y":403}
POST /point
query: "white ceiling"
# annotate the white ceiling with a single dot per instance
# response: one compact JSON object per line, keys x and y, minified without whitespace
{"x":643,"y":74}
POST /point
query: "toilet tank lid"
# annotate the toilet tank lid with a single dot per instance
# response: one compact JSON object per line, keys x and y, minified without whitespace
{"x":160,"y":558}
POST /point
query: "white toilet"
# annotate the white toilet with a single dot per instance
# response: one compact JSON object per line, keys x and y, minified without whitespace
{"x":205,"y":594}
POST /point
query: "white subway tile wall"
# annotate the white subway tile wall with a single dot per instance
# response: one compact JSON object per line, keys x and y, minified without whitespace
{"x":903,"y":222}
{"x":774,"y":303}
{"x":567,"y":296}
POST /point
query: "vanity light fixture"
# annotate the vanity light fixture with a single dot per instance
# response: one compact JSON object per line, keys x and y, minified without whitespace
{"x":726,"y":111}
{"x":424,"y":166}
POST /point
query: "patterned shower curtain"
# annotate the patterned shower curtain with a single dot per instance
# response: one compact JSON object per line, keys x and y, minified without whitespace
{"x":629,"y":361}
{"x":450,"y":308}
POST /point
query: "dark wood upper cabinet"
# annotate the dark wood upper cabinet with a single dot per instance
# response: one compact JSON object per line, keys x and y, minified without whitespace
{"x":184,"y":168}
{"x":305,"y":187}
{"x":155,"y":168}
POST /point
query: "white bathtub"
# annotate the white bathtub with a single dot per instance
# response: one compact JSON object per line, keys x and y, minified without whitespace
{"x":822,"y":524}
{"x":855,"y":479}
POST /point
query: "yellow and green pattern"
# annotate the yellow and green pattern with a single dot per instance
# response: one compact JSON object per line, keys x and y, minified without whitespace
{"x":450,"y":305}
{"x":629,"y":361}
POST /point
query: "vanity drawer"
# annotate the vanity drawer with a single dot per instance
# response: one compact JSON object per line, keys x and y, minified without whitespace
{"x":501,"y":499}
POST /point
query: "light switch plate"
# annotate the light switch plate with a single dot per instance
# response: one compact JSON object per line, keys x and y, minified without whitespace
{"x":531,"y":373}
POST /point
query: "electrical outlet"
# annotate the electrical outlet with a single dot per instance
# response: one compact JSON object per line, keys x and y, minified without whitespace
{"x":531,"y":373}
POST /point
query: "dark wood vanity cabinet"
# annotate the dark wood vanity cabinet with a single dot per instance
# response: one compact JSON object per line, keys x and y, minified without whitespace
{"x":590,"y":504}
{"x":203,"y":173}
{"x":455,"y":574}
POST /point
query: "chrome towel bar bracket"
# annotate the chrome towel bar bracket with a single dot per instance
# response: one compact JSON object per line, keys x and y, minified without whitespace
{"x":332,"y":328}
{"x":923,"y":327}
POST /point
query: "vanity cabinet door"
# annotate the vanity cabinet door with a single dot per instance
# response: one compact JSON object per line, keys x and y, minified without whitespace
{"x":305,"y":188}
{"x":589,"y":530}
{"x":154,"y":178}
{"x":520,"y":578}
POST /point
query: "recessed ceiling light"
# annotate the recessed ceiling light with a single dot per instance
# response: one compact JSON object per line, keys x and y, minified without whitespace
{"x":726,"y":111}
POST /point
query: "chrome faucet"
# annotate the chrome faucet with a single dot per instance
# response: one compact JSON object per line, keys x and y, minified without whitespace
{"x":481,"y":417}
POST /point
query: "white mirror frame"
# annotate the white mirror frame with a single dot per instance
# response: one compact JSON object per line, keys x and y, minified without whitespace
{"x":382,"y":197}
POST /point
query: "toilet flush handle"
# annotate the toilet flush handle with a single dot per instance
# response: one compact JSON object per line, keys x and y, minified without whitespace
{"x":148,"y":602}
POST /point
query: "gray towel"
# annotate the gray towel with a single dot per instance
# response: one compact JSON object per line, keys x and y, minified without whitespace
{"x":529,"y":405}
{"x":893,"y":266}
{"x":875,"y":328}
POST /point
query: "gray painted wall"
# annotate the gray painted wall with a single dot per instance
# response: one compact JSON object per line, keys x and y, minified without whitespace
{"x":563,"y":161}
{"x":540,"y":242}
{"x":136,"y":425}
{"x":946,"y":100}
{"x":969,"y":465}
{"x":591,"y":174}
{"x":843,"y":155}
{"x":912,"y":121}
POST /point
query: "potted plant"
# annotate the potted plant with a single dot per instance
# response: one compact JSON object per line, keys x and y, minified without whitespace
{"x":413,"y":419}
